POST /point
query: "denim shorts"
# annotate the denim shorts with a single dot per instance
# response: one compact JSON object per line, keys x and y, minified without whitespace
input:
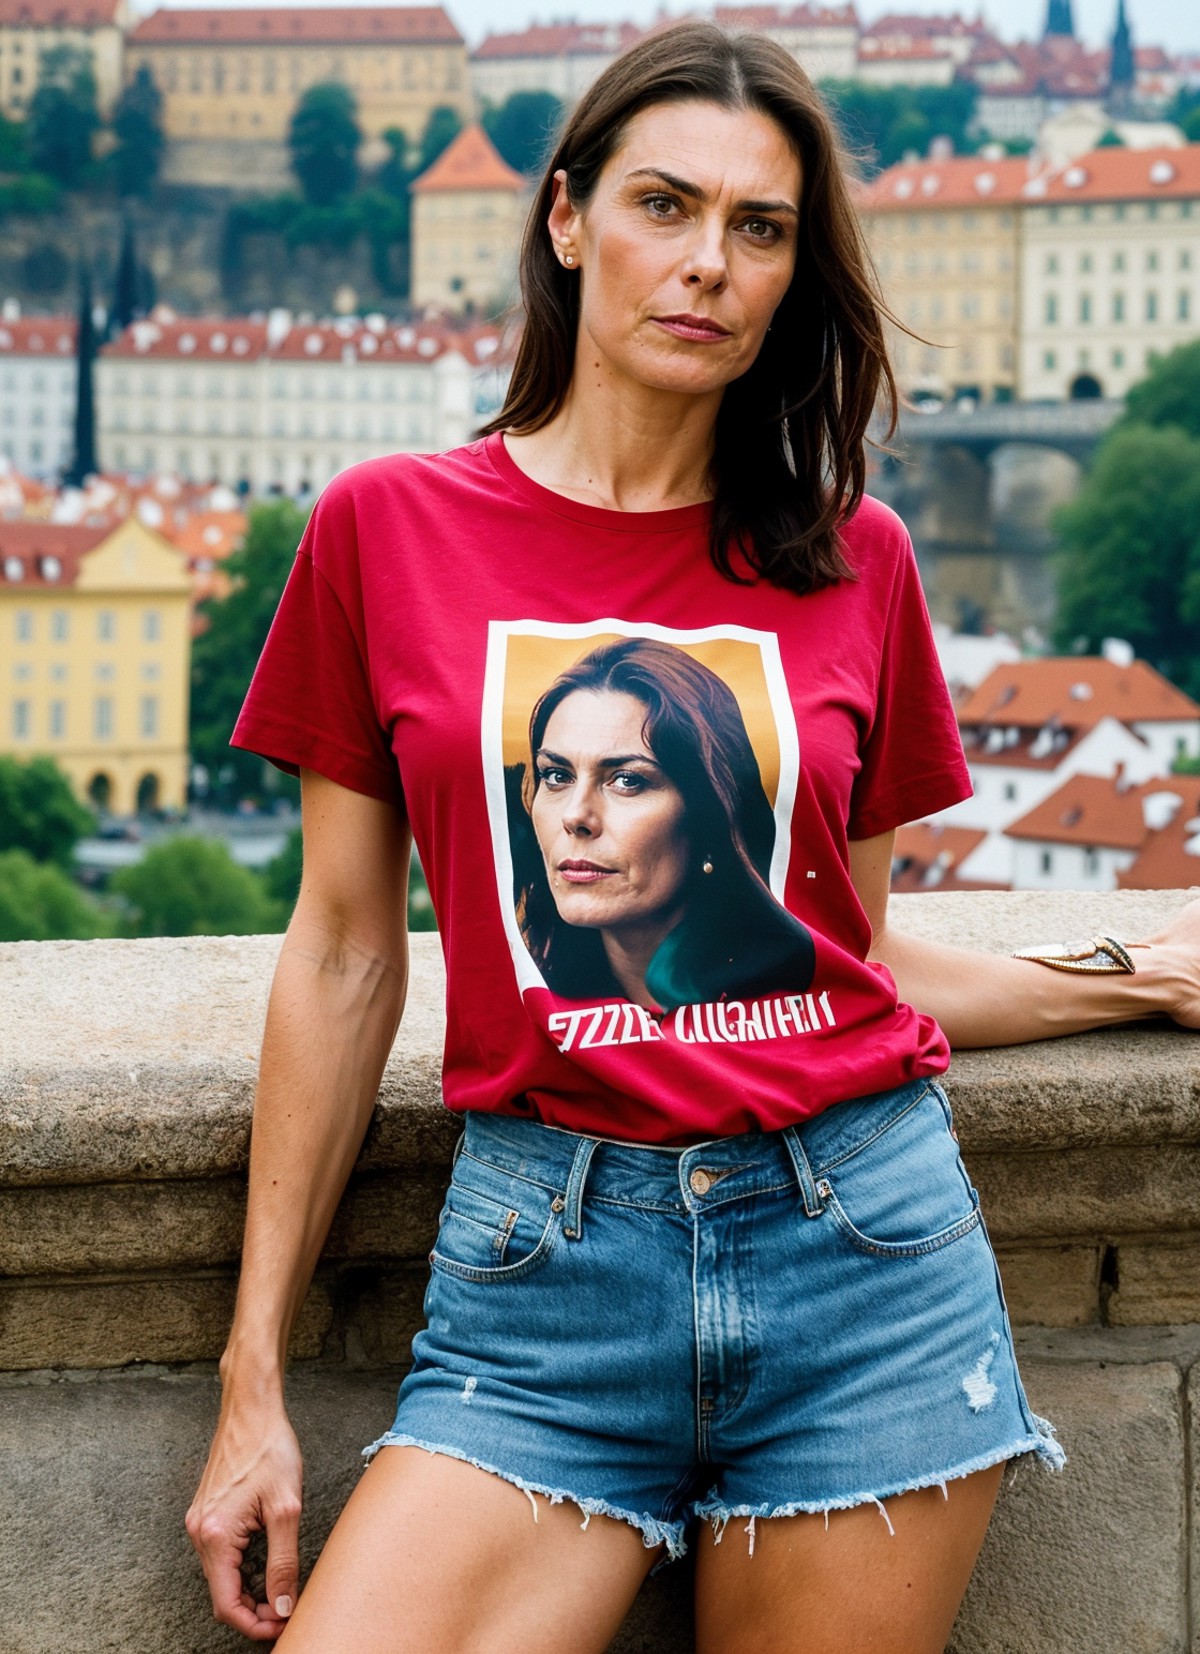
{"x":755,"y":1326}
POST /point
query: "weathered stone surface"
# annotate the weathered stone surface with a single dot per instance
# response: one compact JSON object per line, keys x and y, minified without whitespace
{"x":1077,"y":1192}
{"x":1051,"y":1286}
{"x":1193,"y":1406}
{"x":1157,"y":1283}
{"x":383,"y":1309}
{"x":88,"y":1323}
{"x":1093,"y":1560}
{"x":98,"y":1475}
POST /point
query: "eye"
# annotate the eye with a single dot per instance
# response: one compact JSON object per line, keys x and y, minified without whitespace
{"x":553,"y":775}
{"x":659,"y":205}
{"x":628,"y":781}
{"x":763,"y":229}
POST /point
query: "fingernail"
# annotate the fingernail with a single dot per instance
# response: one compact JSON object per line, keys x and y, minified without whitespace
{"x":283,"y":1607}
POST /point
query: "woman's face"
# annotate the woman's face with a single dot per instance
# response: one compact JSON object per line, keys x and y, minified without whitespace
{"x":608,"y":819}
{"x":686,"y":247}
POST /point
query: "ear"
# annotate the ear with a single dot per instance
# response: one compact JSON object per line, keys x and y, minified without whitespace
{"x":563,"y":221}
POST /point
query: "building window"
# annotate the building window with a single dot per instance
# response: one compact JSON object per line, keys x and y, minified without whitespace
{"x":1118,"y":307}
{"x":22,"y":722}
{"x":102,"y":717}
{"x":148,"y":718}
{"x":1085,"y":308}
{"x":106,"y":626}
{"x":1151,"y":307}
{"x":1049,"y":361}
{"x":1085,"y":264}
{"x":1047,"y":861}
{"x":58,"y":720}
{"x":1185,"y":258}
{"x":1118,"y":262}
{"x":1010,"y":792}
{"x":1118,"y":358}
{"x":59,"y":625}
{"x":24,"y":625}
{"x":1152,"y":260}
{"x":151,"y":626}
{"x":1183,"y":308}
{"x":1051,"y":308}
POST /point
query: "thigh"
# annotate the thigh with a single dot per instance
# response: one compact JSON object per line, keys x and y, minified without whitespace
{"x":433,"y":1556}
{"x":862,"y":1583}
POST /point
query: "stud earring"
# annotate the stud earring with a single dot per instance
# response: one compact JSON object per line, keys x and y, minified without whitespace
{"x":707,"y":865}
{"x":568,"y":258}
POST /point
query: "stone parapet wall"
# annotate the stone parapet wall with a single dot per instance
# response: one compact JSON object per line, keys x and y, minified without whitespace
{"x":127,"y":1072}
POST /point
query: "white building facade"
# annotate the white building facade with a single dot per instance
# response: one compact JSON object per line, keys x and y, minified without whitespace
{"x":37,"y":392}
{"x":279,"y":405}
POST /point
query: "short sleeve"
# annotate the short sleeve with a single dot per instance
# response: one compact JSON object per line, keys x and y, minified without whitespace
{"x":310,"y":702}
{"x":912,"y":759}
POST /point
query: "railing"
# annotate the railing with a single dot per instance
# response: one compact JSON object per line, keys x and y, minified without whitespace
{"x":126,"y":1077}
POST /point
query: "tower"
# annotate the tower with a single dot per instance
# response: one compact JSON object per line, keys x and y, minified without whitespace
{"x":83,"y":461}
{"x":1059,"y":20}
{"x":1122,"y":71}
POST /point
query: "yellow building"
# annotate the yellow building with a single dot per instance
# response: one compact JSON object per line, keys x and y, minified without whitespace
{"x":237,"y":74}
{"x":95,"y":655}
{"x":946,"y":241}
{"x":468,"y":214}
{"x":30,"y":27}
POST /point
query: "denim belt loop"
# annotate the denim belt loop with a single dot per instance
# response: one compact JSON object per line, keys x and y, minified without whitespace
{"x":813,"y":1205}
{"x":573,"y":1215}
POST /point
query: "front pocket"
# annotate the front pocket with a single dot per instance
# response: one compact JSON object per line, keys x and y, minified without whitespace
{"x":494,"y":1226}
{"x":905,"y":1191}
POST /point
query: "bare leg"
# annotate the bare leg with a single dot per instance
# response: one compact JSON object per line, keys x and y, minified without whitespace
{"x":854,"y":1589}
{"x":432,"y":1556}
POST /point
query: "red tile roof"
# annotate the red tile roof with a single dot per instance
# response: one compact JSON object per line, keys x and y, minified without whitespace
{"x":1089,"y":810}
{"x":1075,"y":690}
{"x":470,"y":162}
{"x":58,"y":14}
{"x":1126,"y":175}
{"x":964,"y":180}
{"x":930,"y":855}
{"x":38,"y":336}
{"x":889,"y":51}
{"x":311,"y":25}
{"x":1170,"y":857}
{"x":786,"y":17}
{"x":559,"y":40}
{"x":233,"y":339}
{"x":43,"y":556}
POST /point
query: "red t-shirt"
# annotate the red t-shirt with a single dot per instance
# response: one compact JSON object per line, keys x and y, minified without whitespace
{"x":648,"y":921}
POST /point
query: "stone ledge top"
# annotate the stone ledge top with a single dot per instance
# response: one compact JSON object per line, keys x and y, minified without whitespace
{"x":125,"y":1060}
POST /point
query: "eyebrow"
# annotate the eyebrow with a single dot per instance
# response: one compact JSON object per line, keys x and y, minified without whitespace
{"x":698,"y":194}
{"x":617,"y":762}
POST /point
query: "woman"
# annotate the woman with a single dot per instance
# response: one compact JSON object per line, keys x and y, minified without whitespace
{"x":686,"y":1270}
{"x":639,"y":755}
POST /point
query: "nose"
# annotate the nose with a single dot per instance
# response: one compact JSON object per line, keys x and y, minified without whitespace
{"x":581,"y":816}
{"x":705,"y":266}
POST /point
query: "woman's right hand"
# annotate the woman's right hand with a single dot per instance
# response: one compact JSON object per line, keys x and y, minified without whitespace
{"x":251,"y":1484}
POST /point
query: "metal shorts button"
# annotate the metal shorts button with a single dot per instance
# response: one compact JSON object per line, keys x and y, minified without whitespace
{"x":700,"y":1182}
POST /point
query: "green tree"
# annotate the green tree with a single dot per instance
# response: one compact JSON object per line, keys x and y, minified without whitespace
{"x":395,"y":174}
{"x":137,"y":127}
{"x":324,"y":141}
{"x":441,"y":129}
{"x":1170,"y":392}
{"x":38,"y":811}
{"x":282,"y":872}
{"x":40,"y":903}
{"x":63,"y":115}
{"x":522,"y":127}
{"x":881,"y":123}
{"x":1130,"y":564}
{"x":193,"y":887}
{"x":224,"y":655}
{"x":1110,"y":138}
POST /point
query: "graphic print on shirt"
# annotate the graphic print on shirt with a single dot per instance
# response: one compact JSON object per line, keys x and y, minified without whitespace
{"x":641,"y":783}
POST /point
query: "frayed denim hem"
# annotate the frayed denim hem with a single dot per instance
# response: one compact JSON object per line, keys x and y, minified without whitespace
{"x":653,"y":1531}
{"x":1045,"y":1444}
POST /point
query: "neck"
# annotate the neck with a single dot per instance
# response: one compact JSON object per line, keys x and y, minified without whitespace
{"x":629,"y":951}
{"x":622,"y":445}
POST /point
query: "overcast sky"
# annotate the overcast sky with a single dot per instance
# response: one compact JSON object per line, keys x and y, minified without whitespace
{"x":1171,"y":23}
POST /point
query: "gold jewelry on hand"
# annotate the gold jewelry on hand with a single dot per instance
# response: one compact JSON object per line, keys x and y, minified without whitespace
{"x":1094,"y":956}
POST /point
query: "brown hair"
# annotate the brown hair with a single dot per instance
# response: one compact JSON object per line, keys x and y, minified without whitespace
{"x":788,"y":465}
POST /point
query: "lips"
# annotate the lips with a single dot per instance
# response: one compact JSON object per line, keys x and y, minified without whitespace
{"x":693,"y":327}
{"x":583,"y":872}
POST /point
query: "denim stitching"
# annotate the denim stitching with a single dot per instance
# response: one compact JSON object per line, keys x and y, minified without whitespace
{"x":828,"y":1165}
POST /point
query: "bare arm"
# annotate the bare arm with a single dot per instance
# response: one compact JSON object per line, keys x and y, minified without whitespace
{"x":991,"y":999}
{"x":334,"y":1007}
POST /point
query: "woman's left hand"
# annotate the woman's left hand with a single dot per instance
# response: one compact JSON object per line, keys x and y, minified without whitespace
{"x":1177,"y":948}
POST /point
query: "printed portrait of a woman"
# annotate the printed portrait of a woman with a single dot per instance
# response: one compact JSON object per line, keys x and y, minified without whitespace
{"x":642,"y":838}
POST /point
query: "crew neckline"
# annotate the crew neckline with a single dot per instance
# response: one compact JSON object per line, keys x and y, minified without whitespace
{"x":596,"y":516}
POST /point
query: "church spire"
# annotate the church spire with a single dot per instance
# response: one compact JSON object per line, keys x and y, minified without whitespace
{"x":1059,"y":19}
{"x":1122,"y":71}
